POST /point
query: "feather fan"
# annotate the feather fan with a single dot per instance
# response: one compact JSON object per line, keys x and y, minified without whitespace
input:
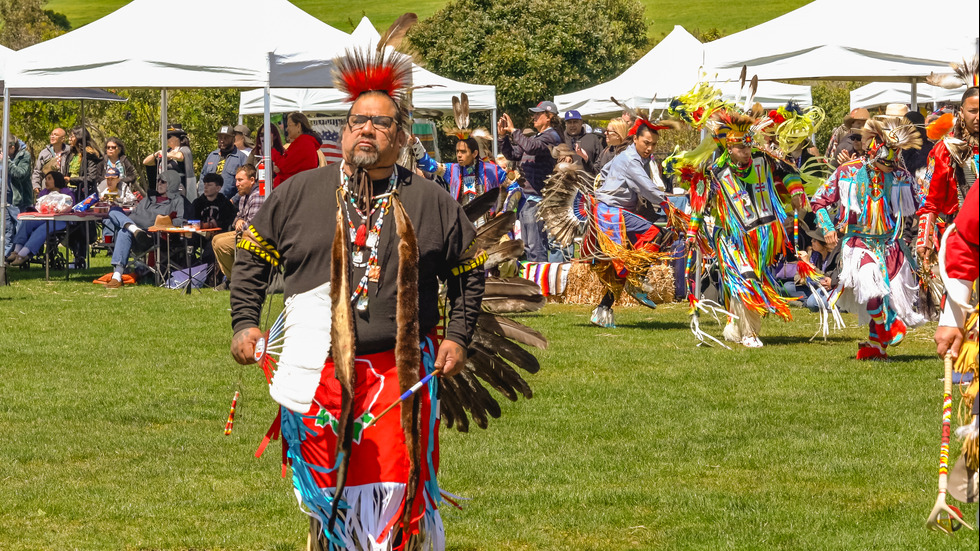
{"x":510,"y":249}
{"x":512,"y":295}
{"x":506,"y":327}
{"x":476,"y":208}
{"x":490,"y":233}
{"x":507,"y":350}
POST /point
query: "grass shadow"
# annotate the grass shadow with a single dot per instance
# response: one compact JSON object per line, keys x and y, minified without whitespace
{"x":801,"y":339}
{"x":652,"y":324}
{"x":905,"y":358}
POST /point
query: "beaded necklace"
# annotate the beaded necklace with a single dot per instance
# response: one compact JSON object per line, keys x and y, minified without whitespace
{"x":365,"y":241}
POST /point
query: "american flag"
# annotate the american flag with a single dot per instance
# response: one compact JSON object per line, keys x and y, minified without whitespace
{"x":330,"y":146}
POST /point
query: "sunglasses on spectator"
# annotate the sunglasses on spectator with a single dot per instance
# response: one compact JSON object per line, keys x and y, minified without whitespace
{"x":110,"y":146}
{"x":356,"y":122}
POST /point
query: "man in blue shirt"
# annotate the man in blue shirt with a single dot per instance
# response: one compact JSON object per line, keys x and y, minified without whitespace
{"x":224,"y":161}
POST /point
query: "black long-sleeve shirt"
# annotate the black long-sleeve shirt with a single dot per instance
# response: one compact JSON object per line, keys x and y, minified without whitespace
{"x":534,"y":154}
{"x":298,"y":222}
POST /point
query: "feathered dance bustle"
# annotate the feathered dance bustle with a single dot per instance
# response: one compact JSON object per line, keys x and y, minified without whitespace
{"x":567,"y":204}
{"x":893,"y":132}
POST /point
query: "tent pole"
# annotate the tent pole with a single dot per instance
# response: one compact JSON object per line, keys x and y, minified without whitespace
{"x":493,"y":125}
{"x":162,"y":163}
{"x":267,"y":131}
{"x":915,"y":100}
{"x":3,"y":182}
{"x":81,"y":115}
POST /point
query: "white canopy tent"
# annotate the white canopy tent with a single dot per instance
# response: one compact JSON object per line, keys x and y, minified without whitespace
{"x":883,"y":93}
{"x":852,"y":40}
{"x":135,"y":47}
{"x":433,"y":91}
{"x":671,"y":68}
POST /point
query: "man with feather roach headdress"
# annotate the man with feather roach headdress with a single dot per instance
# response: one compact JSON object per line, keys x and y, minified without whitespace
{"x":866,"y":200}
{"x":951,"y":169}
{"x":362,"y":246}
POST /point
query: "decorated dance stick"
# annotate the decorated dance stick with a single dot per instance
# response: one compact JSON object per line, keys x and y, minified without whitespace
{"x":796,"y":230}
{"x":943,"y":517}
{"x":231,"y":415}
{"x":405,"y":395}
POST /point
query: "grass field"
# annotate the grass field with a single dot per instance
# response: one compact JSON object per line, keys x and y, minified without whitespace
{"x":112,"y":406}
{"x":661,"y":15}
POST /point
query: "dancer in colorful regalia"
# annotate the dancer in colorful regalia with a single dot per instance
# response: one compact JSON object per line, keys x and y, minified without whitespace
{"x":363,"y":246}
{"x":866,"y":199}
{"x":622,"y":243}
{"x":742,"y":187}
{"x":631,"y":175}
{"x":952,"y":165}
{"x":473,"y":174}
{"x":957,"y":334}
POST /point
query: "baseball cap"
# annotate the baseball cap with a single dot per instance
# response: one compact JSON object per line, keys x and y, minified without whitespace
{"x":545,"y":107}
{"x":111,"y":172}
{"x":573,"y":115}
{"x":227,"y":130}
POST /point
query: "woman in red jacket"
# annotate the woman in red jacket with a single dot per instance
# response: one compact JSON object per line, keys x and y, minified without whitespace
{"x":302,"y":152}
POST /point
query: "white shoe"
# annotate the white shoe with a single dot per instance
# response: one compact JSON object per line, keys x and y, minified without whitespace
{"x":751,"y":342}
{"x":602,"y":316}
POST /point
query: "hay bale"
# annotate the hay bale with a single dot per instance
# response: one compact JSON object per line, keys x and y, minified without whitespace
{"x":585,"y":287}
{"x":661,"y":278}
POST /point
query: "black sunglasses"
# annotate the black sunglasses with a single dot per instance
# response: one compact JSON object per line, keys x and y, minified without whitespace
{"x":383,"y":122}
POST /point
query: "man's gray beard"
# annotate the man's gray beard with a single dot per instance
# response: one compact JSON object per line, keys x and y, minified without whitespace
{"x":361,"y":159}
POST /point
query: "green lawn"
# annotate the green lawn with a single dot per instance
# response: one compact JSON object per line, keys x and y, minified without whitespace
{"x":112,"y":406}
{"x":661,"y":15}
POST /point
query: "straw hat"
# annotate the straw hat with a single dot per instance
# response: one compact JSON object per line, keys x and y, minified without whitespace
{"x":162,"y":223}
{"x":896,"y":110}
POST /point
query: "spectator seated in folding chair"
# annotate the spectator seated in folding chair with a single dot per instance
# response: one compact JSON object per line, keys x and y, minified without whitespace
{"x":129,"y":232}
{"x":114,"y":192}
{"x":214,"y":210}
{"x":31,"y":235}
{"x":250,"y":200}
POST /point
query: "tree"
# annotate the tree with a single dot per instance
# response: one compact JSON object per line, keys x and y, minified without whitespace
{"x":136,"y":122}
{"x":26,"y":22}
{"x":835,"y":99}
{"x":531,"y":49}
